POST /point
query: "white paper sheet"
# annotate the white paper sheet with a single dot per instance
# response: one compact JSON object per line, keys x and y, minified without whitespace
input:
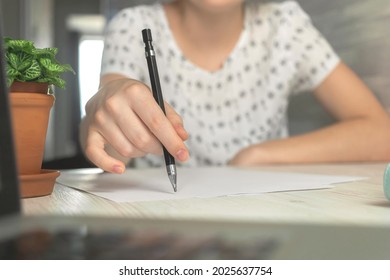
{"x":153,"y":184}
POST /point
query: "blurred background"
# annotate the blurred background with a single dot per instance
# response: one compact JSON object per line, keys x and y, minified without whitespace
{"x":359,"y":31}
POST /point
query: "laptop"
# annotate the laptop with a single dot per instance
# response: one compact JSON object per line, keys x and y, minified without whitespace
{"x":92,"y":238}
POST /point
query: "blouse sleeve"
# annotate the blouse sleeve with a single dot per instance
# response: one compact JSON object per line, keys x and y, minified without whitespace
{"x":123,"y":50}
{"x":314,"y":57}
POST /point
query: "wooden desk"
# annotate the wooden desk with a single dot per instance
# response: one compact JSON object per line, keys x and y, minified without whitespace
{"x":361,"y":202}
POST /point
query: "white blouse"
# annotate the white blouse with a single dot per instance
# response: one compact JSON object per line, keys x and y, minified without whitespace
{"x":279,"y":53}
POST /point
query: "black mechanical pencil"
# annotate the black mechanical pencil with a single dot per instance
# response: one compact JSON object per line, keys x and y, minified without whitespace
{"x":157,"y":94}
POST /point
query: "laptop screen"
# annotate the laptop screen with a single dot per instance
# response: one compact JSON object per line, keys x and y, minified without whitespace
{"x":9,"y":185}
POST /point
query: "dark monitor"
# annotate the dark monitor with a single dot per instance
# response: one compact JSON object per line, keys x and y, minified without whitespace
{"x":9,"y":184}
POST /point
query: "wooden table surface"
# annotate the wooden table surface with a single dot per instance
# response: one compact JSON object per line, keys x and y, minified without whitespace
{"x":360,"y":202}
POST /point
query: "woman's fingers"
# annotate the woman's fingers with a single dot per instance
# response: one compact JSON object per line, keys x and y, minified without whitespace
{"x":94,"y":150}
{"x":159,"y":125}
{"x":114,"y":135}
{"x":125,"y":116}
{"x":132,"y":128}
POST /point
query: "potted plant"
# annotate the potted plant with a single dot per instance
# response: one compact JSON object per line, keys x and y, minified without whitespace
{"x":31,"y":75}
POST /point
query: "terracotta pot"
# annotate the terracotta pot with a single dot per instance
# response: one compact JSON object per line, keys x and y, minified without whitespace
{"x":30,"y":118}
{"x":32,"y":87}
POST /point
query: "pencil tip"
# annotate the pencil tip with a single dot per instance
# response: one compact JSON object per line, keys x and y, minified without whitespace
{"x":172,"y":178}
{"x":171,"y":170}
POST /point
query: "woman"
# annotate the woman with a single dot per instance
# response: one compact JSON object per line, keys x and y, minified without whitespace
{"x":227,"y":69}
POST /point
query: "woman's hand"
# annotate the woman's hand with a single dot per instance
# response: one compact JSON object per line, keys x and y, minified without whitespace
{"x":123,"y":121}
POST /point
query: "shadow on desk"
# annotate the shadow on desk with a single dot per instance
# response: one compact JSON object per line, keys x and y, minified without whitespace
{"x":383,"y":204}
{"x":73,"y":162}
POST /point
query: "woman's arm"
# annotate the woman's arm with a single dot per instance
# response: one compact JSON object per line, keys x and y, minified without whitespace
{"x":362,"y":132}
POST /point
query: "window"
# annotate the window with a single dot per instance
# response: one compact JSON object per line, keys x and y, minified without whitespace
{"x":90,"y":53}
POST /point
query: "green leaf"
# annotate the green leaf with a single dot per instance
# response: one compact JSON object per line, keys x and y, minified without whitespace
{"x":68,"y":68}
{"x":12,"y":72}
{"x":20,"y":45}
{"x":33,"y":72}
{"x":24,"y":61}
{"x":19,"y":62}
{"x":46,"y":52}
{"x":56,"y":81}
{"x":51,"y":67}
{"x":12,"y":60}
{"x":11,"y":75}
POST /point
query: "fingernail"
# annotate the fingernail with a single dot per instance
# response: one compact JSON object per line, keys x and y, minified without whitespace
{"x":117,"y":169}
{"x":181,"y":155}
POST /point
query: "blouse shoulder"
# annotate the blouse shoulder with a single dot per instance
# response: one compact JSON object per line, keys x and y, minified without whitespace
{"x":287,"y":10}
{"x":132,"y":15}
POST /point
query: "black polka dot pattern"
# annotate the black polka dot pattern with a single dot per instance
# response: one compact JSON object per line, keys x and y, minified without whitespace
{"x":279,"y":53}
